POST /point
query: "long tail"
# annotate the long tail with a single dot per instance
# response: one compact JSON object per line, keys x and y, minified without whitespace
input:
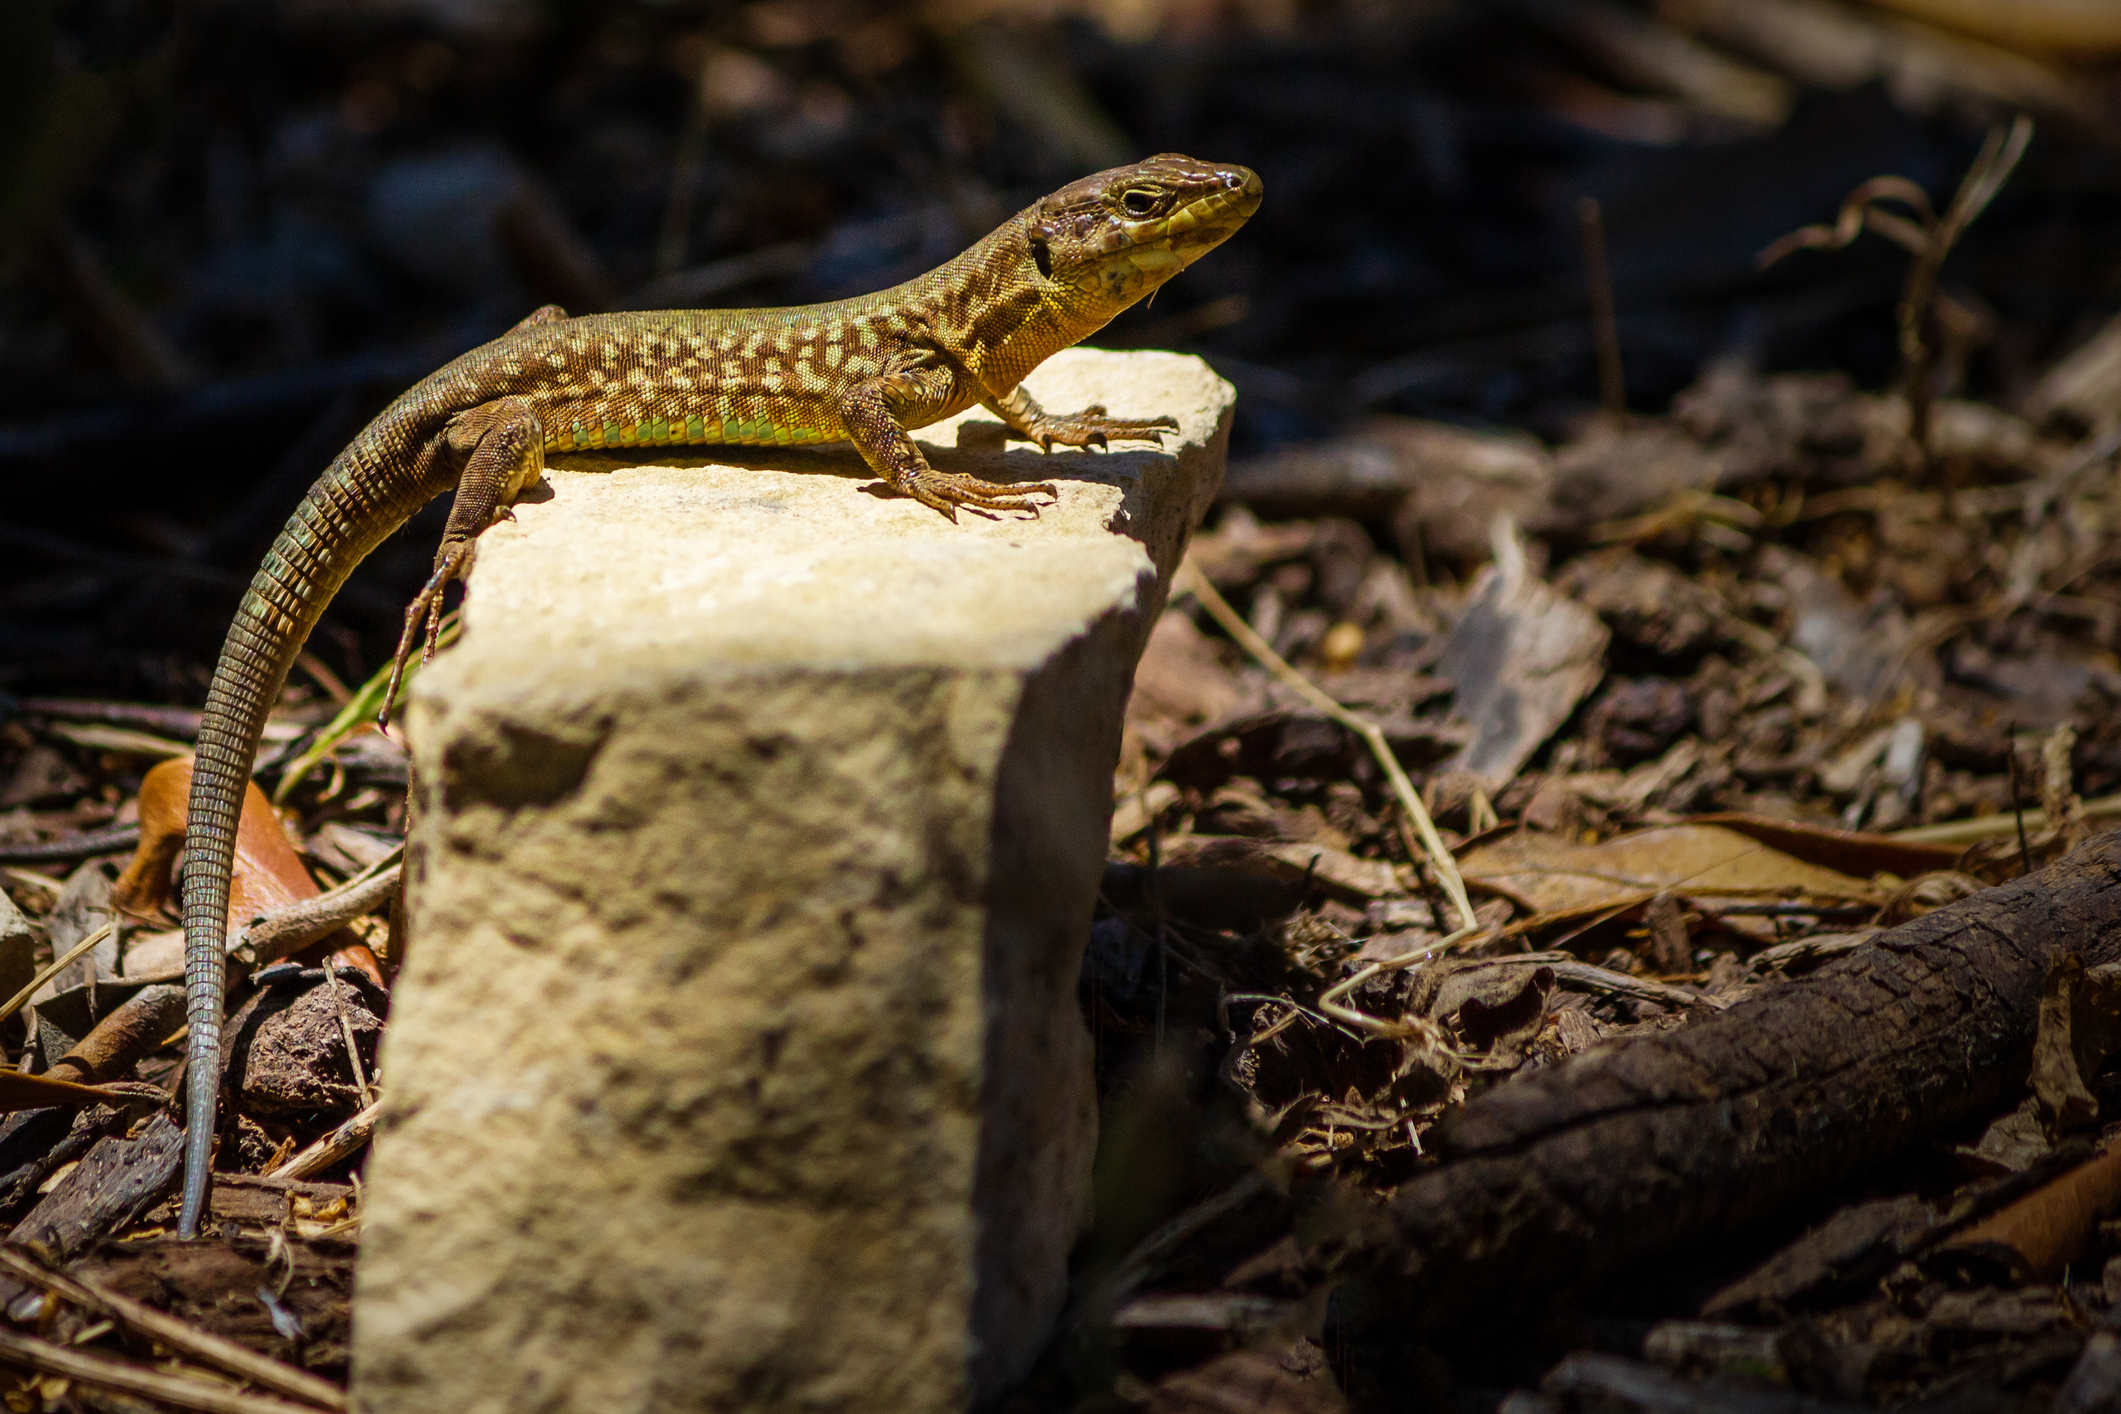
{"x":370,"y":491}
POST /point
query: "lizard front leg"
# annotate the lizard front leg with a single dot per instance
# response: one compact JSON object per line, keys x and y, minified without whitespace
{"x":1090,"y":427}
{"x":503,"y":446}
{"x":871,"y":411}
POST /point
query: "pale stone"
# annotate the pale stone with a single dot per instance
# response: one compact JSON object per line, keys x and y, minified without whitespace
{"x":737,"y":1062}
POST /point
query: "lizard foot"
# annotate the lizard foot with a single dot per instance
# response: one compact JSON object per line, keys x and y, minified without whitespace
{"x":452,"y":562}
{"x":1091,"y":428}
{"x":945,"y":491}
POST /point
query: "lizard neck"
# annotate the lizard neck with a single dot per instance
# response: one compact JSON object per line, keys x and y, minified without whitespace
{"x":992,"y":310}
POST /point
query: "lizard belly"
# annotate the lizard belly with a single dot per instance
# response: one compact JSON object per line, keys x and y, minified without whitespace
{"x":677,"y":418}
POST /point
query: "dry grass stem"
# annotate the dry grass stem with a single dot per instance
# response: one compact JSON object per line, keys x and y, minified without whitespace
{"x":55,"y":967}
{"x":1333,"y":1001}
{"x":344,"y":1140}
{"x":104,"y":1372}
{"x":1926,"y":236}
{"x":1192,"y":581}
{"x":1992,"y":827}
{"x":177,"y":1335}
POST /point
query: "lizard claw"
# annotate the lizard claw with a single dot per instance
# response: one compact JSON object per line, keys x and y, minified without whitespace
{"x":1091,"y":428}
{"x":453,"y":561}
{"x":945,"y":491}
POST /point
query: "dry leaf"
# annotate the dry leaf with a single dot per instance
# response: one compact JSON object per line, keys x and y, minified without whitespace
{"x":1552,"y":875}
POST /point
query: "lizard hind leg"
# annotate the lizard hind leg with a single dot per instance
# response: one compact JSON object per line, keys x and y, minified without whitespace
{"x":945,"y":491}
{"x":503,"y":445}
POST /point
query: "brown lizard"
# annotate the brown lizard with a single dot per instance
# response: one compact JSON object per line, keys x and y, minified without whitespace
{"x":863,"y":370}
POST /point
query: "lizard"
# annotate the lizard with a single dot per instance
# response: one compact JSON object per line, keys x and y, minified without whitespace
{"x":866,"y":371}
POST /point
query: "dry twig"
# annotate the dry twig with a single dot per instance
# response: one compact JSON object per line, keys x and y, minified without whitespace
{"x":1192,"y":581}
{"x":292,"y":927}
{"x":104,"y":1372}
{"x":1926,"y":236}
{"x":177,"y":1335}
{"x":344,"y":1140}
{"x":55,"y":967}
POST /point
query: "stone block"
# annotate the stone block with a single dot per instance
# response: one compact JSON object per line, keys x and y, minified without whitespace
{"x":737,"y":1063}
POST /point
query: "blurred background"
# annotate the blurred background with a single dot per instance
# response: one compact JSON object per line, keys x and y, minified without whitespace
{"x":231,"y":230}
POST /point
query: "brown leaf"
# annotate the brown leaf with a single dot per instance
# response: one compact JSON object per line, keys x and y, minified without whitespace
{"x":1522,"y":657}
{"x":1179,"y":685}
{"x":2080,"y":1026}
{"x":2038,"y":1236}
{"x":1850,"y":851}
{"x":1553,"y":875}
{"x":1245,"y":1382}
{"x":267,"y":871}
{"x":35,"y":1092}
{"x":1340,"y":874}
{"x":1507,"y":1021}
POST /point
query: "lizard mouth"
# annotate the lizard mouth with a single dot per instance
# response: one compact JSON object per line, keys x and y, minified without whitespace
{"x":1230,"y":195}
{"x":1212,"y":217}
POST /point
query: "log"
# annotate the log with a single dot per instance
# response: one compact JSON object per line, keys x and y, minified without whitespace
{"x":1570,"y":1175}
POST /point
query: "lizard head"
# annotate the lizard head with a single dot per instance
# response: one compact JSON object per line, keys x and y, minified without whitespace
{"x":1103,"y":243}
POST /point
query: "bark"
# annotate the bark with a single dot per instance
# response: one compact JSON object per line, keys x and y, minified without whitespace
{"x":1621,"y":1156}
{"x":118,"y":1181}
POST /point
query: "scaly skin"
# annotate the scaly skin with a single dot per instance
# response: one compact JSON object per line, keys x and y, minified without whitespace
{"x":863,"y":370}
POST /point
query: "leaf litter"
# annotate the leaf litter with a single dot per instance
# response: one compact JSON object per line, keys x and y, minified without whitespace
{"x":1555,"y":742}
{"x":1679,"y":753}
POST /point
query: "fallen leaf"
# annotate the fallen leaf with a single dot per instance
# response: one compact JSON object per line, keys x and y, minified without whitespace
{"x":1179,"y":685}
{"x":1854,"y":852}
{"x":1244,"y":1382}
{"x":1522,"y":658}
{"x":1337,"y":872}
{"x":1548,"y":874}
{"x":2039,"y":1235}
{"x":267,"y":872}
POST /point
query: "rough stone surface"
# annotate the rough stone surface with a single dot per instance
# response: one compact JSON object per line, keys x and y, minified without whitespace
{"x":736,"y":1064}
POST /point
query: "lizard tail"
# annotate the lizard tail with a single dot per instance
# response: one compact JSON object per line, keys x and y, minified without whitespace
{"x":350,"y":510}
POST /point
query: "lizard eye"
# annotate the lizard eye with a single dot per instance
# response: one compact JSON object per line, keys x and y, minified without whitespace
{"x":1139,"y":202}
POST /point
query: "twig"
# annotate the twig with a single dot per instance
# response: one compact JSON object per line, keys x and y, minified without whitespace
{"x":346,"y":1139}
{"x":1192,"y":581}
{"x":1999,"y":153}
{"x":169,"y":721}
{"x":112,"y":840}
{"x":1927,"y":237}
{"x":2025,"y":854}
{"x":35,"y":880}
{"x":53,"y":968}
{"x":136,"y":347}
{"x":1988,"y":827}
{"x":103,"y":1372}
{"x":346,"y":1031}
{"x":1155,"y":889}
{"x":1605,"y":327}
{"x":291,"y":927}
{"x":178,"y":1335}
